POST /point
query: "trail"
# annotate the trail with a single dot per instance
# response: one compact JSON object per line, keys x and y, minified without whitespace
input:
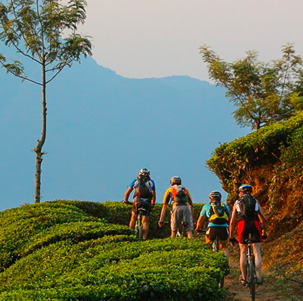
{"x":237,"y":292}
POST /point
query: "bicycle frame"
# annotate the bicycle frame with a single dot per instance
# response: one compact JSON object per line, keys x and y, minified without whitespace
{"x":250,"y":270}
{"x":138,"y":225}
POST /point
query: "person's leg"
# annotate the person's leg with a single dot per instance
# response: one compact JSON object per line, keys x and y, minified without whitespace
{"x":174,"y":220}
{"x":145,"y":226}
{"x":224,"y":248}
{"x":132,"y":222}
{"x":173,"y":234}
{"x":189,"y":234}
{"x":243,"y":252}
{"x":258,"y":260}
{"x":188,"y":220}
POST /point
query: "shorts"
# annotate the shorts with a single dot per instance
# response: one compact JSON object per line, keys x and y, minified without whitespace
{"x":213,"y":232}
{"x":181,"y":213}
{"x":252,"y":227}
{"x":146,"y":204}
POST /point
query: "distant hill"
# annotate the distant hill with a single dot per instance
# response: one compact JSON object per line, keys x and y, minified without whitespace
{"x":102,"y":128}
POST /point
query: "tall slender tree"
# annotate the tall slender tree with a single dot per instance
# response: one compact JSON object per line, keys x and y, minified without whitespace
{"x":44,"y":32}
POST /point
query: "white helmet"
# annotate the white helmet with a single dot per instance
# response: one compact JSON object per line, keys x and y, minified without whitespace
{"x":144,"y":172}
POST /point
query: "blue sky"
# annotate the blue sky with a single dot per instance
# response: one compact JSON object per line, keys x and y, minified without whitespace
{"x":156,"y":38}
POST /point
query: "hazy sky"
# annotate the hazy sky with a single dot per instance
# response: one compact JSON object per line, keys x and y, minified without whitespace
{"x":156,"y":38}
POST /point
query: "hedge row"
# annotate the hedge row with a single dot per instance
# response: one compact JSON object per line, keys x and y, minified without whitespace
{"x":66,"y":250}
{"x":230,"y":161}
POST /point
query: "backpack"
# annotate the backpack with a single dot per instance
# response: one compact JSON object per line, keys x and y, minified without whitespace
{"x":218,"y":213}
{"x":247,"y":205}
{"x":179,"y":195}
{"x":142,"y":188}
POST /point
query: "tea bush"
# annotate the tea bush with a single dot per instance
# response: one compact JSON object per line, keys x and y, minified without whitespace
{"x":60,"y":251}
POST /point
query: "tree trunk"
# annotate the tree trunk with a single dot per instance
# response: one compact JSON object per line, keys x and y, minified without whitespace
{"x":38,"y":149}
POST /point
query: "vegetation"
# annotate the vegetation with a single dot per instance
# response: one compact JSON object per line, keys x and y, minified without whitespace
{"x":262,"y":93}
{"x":67,"y":250}
{"x":271,"y":160}
{"x":35,"y":28}
{"x":278,"y":144}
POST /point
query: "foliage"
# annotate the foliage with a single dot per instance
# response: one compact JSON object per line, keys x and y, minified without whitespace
{"x":68,"y":250}
{"x":262,"y":93}
{"x":231,"y":161}
{"x":45,"y":33}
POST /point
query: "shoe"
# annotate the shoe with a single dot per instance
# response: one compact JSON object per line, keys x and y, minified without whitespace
{"x":260,"y":281}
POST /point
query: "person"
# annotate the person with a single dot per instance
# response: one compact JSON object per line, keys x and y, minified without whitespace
{"x":248,"y":213}
{"x":144,"y":196}
{"x":218,"y":215}
{"x":182,"y":208}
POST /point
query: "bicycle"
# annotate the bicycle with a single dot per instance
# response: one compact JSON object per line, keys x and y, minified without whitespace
{"x":251,"y":277}
{"x":250,"y":270}
{"x":181,"y":230}
{"x":215,"y":246}
{"x":138,"y":224}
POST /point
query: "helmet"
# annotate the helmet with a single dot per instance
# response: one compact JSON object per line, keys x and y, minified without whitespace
{"x":144,"y":172}
{"x":175,"y":180}
{"x":215,"y":195}
{"x":245,"y":188}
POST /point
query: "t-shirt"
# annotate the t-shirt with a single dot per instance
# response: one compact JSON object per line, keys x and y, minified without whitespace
{"x":206,"y":212}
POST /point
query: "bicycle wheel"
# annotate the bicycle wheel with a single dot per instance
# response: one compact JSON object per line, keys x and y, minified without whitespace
{"x":216,"y":245}
{"x":250,"y":279}
{"x":139,"y":228}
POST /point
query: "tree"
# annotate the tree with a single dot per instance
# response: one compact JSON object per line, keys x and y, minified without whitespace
{"x":43,"y":32}
{"x":262,"y":93}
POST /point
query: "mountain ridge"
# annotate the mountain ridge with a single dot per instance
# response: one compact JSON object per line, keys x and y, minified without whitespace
{"x":102,"y":128}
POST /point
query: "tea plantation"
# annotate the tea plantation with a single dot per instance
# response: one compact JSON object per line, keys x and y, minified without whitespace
{"x":72,"y":250}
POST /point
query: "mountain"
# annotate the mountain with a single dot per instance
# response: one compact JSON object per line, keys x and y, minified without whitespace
{"x":102,"y":128}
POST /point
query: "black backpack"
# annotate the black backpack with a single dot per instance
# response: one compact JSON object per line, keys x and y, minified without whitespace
{"x":247,"y":207}
{"x":142,"y":190}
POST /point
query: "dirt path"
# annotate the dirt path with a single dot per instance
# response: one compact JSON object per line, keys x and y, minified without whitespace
{"x":238,"y":292}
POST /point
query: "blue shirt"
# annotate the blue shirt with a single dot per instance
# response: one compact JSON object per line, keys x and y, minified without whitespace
{"x":206,"y":212}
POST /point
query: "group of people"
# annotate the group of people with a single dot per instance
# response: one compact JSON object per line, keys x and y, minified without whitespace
{"x":247,"y":214}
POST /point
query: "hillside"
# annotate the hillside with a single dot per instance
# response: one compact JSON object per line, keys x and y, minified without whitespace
{"x":103,"y":128}
{"x":271,"y":159}
{"x":67,"y":250}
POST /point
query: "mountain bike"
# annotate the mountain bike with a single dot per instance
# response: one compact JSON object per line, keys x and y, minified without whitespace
{"x":215,"y":246}
{"x":138,"y":225}
{"x":251,"y":277}
{"x":181,"y":230}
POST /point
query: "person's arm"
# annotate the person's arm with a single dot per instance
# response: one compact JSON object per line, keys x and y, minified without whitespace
{"x":262,"y":217}
{"x":233,"y":221}
{"x":127,"y":193}
{"x":190,"y":204}
{"x":162,"y":215}
{"x":200,"y":223}
{"x":166,"y":199}
{"x":153,"y":200}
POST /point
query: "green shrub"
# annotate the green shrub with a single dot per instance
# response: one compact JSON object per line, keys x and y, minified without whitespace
{"x":72,"y":250}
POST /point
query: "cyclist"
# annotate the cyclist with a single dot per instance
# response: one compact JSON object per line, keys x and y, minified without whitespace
{"x":144,"y":196}
{"x":218,"y":215}
{"x":248,"y":213}
{"x":182,"y":208}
